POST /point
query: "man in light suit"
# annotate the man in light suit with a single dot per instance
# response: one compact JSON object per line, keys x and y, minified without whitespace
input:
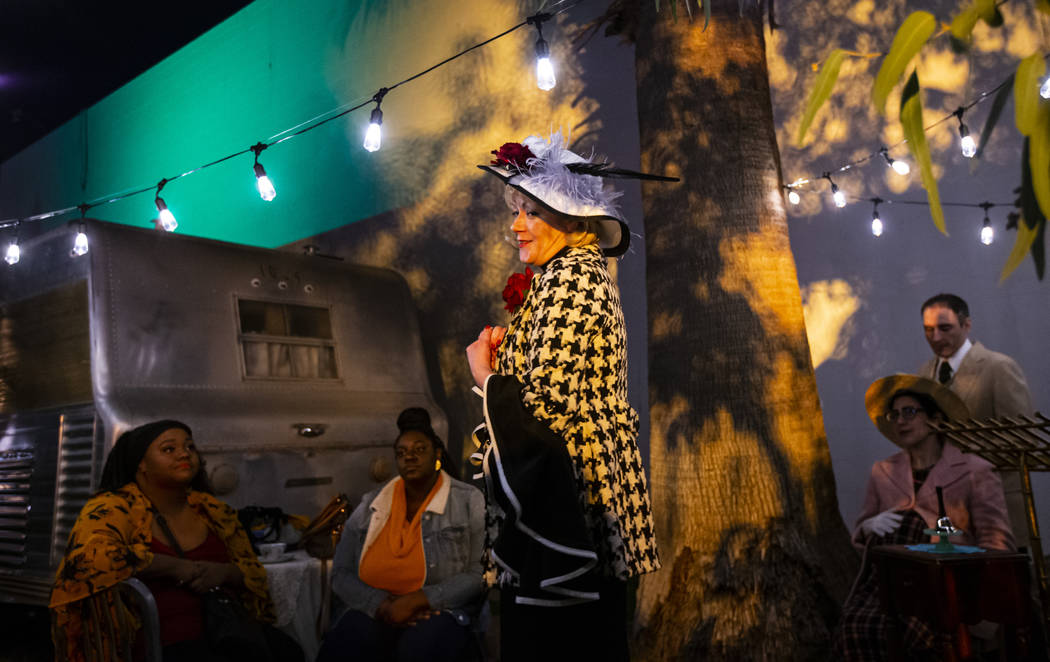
{"x":991,"y":384}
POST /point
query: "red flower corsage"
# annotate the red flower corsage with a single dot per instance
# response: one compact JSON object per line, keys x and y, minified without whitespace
{"x":517,"y":286}
{"x":513,"y":155}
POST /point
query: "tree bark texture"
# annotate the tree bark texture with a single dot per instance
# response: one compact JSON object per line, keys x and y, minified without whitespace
{"x":756,"y":557}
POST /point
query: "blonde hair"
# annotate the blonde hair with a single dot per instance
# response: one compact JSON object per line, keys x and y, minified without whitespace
{"x":585,"y":234}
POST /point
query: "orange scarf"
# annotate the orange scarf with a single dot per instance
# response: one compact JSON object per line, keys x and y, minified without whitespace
{"x":395,"y":561}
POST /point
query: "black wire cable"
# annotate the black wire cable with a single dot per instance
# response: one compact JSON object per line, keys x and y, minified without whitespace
{"x":116,"y":197}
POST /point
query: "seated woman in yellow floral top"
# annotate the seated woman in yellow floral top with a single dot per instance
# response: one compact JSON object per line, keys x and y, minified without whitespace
{"x":154,"y":518}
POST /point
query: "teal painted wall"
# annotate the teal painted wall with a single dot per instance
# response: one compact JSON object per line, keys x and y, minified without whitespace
{"x":269,"y":67}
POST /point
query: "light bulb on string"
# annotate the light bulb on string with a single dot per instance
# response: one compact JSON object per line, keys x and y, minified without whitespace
{"x":14,"y":253}
{"x":545,"y":79}
{"x":167,"y":219}
{"x":899,"y":166}
{"x":837,"y":195}
{"x":1044,"y":89}
{"x":793,"y":196}
{"x":987,"y":232}
{"x":262,"y":182}
{"x":80,"y":244}
{"x":966,"y":141}
{"x":374,"y":133}
{"x":876,"y":221}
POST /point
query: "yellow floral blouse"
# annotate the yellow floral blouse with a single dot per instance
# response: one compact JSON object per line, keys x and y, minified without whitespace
{"x":110,"y":542}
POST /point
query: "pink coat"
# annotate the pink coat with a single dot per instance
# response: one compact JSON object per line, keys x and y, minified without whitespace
{"x":973,"y":497}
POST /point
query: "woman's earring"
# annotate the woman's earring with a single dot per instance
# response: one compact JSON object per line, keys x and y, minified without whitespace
{"x":437,"y":466}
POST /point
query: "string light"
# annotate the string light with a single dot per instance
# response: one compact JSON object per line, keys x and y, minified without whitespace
{"x":1044,"y":89}
{"x":14,"y":253}
{"x":545,"y":79}
{"x":987,"y":233}
{"x":167,"y":219}
{"x":876,"y":222}
{"x":266,"y":190}
{"x":899,"y":166}
{"x":80,"y":244}
{"x":966,"y":141}
{"x":374,"y":133}
{"x":793,"y":196}
{"x":836,"y":195}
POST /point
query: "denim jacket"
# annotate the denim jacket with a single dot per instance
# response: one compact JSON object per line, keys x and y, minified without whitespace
{"x":453,"y":530}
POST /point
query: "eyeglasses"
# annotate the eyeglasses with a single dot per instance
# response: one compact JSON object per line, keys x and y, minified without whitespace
{"x":904,"y":414}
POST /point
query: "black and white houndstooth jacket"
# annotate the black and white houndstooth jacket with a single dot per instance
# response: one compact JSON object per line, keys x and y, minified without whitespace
{"x":567,"y":345}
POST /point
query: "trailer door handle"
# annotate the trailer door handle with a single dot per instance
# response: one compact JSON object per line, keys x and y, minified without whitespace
{"x":309,"y":429}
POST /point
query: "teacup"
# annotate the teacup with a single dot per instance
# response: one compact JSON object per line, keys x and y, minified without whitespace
{"x":271,"y":551}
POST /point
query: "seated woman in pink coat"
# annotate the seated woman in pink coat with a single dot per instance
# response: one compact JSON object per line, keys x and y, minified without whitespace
{"x":901,"y":502}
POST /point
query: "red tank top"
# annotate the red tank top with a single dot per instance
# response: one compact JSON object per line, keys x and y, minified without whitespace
{"x":179,"y":608}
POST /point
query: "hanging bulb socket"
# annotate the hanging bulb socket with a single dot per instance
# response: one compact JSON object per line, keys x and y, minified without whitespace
{"x":80,"y":242}
{"x":374,"y":133}
{"x":14,"y":253}
{"x":262,"y":182}
{"x":899,"y":166}
{"x":966,"y":141}
{"x":876,"y":220}
{"x":987,"y":232}
{"x":164,"y":215}
{"x":545,"y":78}
{"x":836,"y":195}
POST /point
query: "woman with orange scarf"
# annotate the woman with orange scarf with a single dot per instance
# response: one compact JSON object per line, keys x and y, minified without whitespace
{"x":408,"y":565}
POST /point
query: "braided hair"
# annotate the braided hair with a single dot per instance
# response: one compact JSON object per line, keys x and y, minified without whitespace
{"x":418,"y":420}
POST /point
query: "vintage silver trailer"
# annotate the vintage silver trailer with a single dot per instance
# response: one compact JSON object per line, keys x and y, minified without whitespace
{"x":291,"y":370}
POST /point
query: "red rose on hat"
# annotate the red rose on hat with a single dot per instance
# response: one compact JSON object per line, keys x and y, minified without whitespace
{"x":513,"y":155}
{"x":517,"y":286}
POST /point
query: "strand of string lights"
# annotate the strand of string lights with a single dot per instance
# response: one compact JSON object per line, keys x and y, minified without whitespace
{"x":967,"y":146}
{"x":545,"y":81}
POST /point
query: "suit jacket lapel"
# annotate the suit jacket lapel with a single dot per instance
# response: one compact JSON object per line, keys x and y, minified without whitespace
{"x":898,"y":471}
{"x":965,"y":381}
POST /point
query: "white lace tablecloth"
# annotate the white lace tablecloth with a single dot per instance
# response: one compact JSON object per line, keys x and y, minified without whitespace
{"x":295,"y":587}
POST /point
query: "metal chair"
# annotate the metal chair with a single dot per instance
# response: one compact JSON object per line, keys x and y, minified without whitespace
{"x":143,"y":599}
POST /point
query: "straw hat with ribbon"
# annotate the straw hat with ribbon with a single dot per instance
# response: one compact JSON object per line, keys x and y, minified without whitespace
{"x":568,"y":184}
{"x":877,"y":400}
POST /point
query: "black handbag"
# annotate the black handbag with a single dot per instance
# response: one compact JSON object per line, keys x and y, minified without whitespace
{"x":228,"y":627}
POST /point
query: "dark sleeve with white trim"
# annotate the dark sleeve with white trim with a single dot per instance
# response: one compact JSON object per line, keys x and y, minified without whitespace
{"x":544,"y":543}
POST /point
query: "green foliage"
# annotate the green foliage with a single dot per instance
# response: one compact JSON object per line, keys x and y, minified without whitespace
{"x":1022,"y":245}
{"x":1026,"y":93}
{"x":911,"y":123}
{"x":1039,"y":159}
{"x":994,"y":113}
{"x":829,"y":73}
{"x":1031,"y":216}
{"x":913,"y":33}
{"x":962,"y":26}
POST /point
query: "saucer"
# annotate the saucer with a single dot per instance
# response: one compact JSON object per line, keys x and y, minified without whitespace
{"x":287,"y":556}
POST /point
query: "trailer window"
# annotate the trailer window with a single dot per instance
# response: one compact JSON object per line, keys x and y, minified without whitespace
{"x":286,"y":341}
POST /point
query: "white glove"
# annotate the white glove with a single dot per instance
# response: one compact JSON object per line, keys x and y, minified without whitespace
{"x":883,"y":523}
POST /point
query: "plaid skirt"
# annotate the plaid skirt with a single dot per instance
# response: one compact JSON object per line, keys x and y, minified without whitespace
{"x":862,"y":632}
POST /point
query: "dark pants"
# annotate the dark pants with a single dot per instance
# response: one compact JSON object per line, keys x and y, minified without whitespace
{"x":360,"y":638}
{"x":281,"y":648}
{"x":587,"y":631}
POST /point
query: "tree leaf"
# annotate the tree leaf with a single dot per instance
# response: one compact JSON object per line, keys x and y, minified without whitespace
{"x":829,"y":73}
{"x":993,"y":115}
{"x":707,"y":13}
{"x":1043,"y":6}
{"x":986,"y":9}
{"x":910,"y":37}
{"x":963,"y":24}
{"x":1026,"y":93}
{"x":1025,"y":238}
{"x":1039,"y":159}
{"x":911,"y":123}
{"x":1030,"y":214}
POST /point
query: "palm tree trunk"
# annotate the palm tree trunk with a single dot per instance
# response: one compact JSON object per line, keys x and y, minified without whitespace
{"x":756,"y":557}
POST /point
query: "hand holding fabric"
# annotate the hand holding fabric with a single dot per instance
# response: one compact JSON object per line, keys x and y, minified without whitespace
{"x":882,"y":524}
{"x":479,"y":356}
